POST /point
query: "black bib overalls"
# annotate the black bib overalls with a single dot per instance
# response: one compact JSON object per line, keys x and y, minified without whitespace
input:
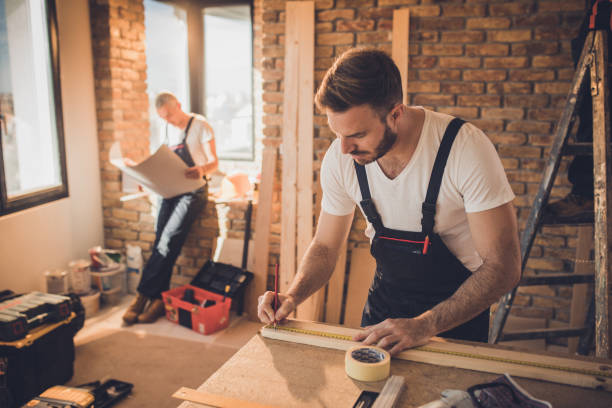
{"x":174,"y":220}
{"x":415,"y":270}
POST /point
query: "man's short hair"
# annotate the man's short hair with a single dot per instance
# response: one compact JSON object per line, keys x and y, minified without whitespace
{"x":361,"y":76}
{"x":163,"y":98}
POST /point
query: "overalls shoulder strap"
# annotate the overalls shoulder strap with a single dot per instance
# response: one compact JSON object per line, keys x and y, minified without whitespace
{"x":367,"y":205}
{"x":435,"y":180}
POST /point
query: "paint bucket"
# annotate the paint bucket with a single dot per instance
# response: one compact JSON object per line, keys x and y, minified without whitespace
{"x":91,"y":302}
{"x":57,"y":281}
{"x":109,"y":278}
{"x":80,"y":278}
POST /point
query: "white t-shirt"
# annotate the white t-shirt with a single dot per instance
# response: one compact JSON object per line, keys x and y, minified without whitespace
{"x":474,"y":180}
{"x":200,"y":132}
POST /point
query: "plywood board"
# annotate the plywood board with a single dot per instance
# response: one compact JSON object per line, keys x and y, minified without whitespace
{"x":399,"y":46}
{"x":361,"y":272}
{"x":274,"y":372}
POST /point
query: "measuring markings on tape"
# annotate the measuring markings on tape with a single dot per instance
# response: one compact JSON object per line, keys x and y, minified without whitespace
{"x":598,"y":373}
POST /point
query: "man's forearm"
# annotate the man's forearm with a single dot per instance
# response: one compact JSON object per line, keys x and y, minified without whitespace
{"x":486,"y":285}
{"x":314,"y":271}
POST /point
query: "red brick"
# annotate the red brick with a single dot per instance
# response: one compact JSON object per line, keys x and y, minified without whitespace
{"x":503,"y":113}
{"x":486,"y":49}
{"x":529,"y":127}
{"x":374,"y":37}
{"x":459,"y":111}
{"x":488,"y":23}
{"x":459,"y":62}
{"x":508,"y":9}
{"x":553,"y":87}
{"x":442,"y":49}
{"x":526,"y":101}
{"x":544,"y":114}
{"x":326,"y":27}
{"x":509,"y":35}
{"x":553,"y":34}
{"x":532,"y":75}
{"x":509,"y":88}
{"x":439,"y":23}
{"x":465,"y":10}
{"x":463,"y":36}
{"x":439,"y":74}
{"x":508,"y":138}
{"x":359,"y":25}
{"x":334,"y":38}
{"x":434,"y":100}
{"x":422,"y":62}
{"x":478,"y":100}
{"x":418,"y":11}
{"x":331,"y":15}
{"x":462,"y":87}
{"x":484,"y":75}
{"x":488,"y":125}
{"x":546,"y":61}
{"x":423,"y":87}
{"x":565,"y":5}
{"x":506,"y":62}
{"x":375,"y":13}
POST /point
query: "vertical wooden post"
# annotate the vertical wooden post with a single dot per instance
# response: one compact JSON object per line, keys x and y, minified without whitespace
{"x":289,"y":135}
{"x":262,"y":230}
{"x":399,"y":46}
{"x":312,"y":307}
{"x":602,"y":192}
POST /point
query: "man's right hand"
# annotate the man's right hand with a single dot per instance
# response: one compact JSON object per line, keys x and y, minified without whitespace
{"x":265,"y":307}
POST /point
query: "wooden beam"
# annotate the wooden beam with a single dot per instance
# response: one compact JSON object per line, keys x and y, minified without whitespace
{"x":289,"y":151}
{"x":360,"y":277}
{"x":466,"y":355}
{"x":399,"y":46}
{"x":311,"y":308}
{"x":602,"y":161}
{"x":213,"y":400}
{"x":583,"y":265}
{"x":263,"y":221}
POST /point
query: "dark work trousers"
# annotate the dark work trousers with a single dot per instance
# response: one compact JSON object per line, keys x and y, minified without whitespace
{"x":174,"y":220}
{"x":176,"y":215}
{"x":415,"y":270}
{"x":580,"y":171}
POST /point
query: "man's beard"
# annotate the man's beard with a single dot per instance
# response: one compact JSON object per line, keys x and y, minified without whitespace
{"x":387,"y":142}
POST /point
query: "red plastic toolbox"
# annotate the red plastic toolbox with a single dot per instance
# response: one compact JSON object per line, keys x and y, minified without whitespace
{"x":204,"y":320}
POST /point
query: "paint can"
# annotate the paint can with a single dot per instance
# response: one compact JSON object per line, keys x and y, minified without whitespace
{"x":80,"y":278}
{"x":57,"y":281}
{"x":91,"y":302}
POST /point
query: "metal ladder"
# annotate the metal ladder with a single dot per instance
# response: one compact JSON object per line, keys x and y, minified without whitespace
{"x":593,"y":60}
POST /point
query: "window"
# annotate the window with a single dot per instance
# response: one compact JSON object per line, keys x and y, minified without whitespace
{"x":167,"y":60}
{"x":32,"y":157}
{"x":201,"y":51}
{"x":228,"y":85}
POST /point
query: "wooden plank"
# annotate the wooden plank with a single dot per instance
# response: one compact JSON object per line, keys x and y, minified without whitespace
{"x":215,"y":401}
{"x":602,"y":193}
{"x":263,"y":220}
{"x":360,"y":277}
{"x":289,"y":151}
{"x":491,"y":359}
{"x":399,"y":46}
{"x":390,"y":392}
{"x":583,"y":265}
{"x":311,"y":308}
{"x":335,"y":288}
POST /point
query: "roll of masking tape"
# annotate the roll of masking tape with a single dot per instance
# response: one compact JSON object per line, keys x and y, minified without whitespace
{"x":367,"y":363}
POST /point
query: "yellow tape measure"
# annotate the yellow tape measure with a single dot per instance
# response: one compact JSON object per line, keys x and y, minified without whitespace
{"x":598,"y":373}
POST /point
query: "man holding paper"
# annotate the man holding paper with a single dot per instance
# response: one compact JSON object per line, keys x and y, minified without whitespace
{"x":196,"y":147}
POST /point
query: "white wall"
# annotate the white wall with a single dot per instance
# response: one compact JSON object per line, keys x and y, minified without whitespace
{"x":53,"y":234}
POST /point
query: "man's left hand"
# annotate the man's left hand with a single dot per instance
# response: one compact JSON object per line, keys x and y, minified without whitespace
{"x":195,"y":172}
{"x":396,"y":335}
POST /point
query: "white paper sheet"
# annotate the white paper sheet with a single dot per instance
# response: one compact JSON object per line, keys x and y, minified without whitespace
{"x":162,"y":173}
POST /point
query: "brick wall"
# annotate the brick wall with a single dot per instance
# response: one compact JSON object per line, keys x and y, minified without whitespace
{"x":505,"y":66}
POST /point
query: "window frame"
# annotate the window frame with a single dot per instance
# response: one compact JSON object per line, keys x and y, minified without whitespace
{"x":195,"y":53}
{"x":43,"y":196}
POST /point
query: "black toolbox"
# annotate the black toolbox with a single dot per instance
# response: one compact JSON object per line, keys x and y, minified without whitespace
{"x":41,"y":359}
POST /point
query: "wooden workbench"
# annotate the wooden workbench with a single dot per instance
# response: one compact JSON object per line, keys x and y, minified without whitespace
{"x":285,"y":374}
